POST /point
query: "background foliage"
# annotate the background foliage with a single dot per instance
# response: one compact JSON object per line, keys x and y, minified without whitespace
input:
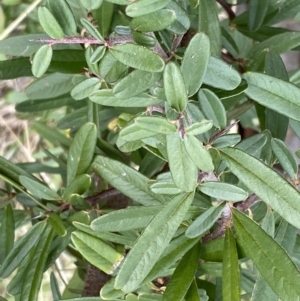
{"x":144,"y":175}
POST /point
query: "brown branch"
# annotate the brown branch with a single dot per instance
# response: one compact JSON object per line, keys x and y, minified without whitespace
{"x":227,"y":8}
{"x":94,"y":199}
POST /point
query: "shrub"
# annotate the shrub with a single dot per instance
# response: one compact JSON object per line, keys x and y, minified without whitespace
{"x":156,"y":191}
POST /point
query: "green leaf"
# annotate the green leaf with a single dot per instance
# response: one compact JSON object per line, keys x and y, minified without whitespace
{"x":83,"y":89}
{"x":64,"y":16}
{"x":54,"y":287}
{"x":174,"y":87}
{"x":81,"y":151}
{"x":257,"y":13}
{"x":97,"y":54}
{"x":285,"y":96}
{"x":208,"y":22}
{"x":91,"y":4}
{"x":144,"y":39}
{"x":133,"y":133}
{"x":279,"y":43}
{"x":7,"y":232}
{"x":108,"y":292}
{"x":195,"y":62}
{"x":49,"y":23}
{"x":138,"y":57}
{"x":198,"y":128}
{"x":144,"y":7}
{"x":135,"y":83}
{"x":285,"y":157}
{"x":51,"y":134}
{"x":226,"y":140}
{"x":19,"y":67}
{"x":91,"y":28}
{"x":21,"y":249}
{"x":276,"y":123}
{"x":13,"y":171}
{"x":182,"y":22}
{"x":36,"y":105}
{"x":267,"y":184}
{"x":96,"y":251}
{"x":221,"y":75}
{"x":51,"y":86}
{"x":165,"y":188}
{"x":175,"y":250}
{"x":212,"y":107}
{"x":184,"y":171}
{"x":125,"y":219}
{"x":33,"y":275}
{"x":199,"y":154}
{"x":154,"y":124}
{"x":106,"y":97}
{"x":178,"y":285}
{"x":57,"y":224}
{"x":41,"y":60}
{"x":39,"y":190}
{"x":152,"y":242}
{"x":127,"y":180}
{"x":104,"y":16}
{"x":231,"y":273}
{"x":223,"y":191}
{"x":79,"y":185}
{"x":278,"y":270}
{"x":154,"y":21}
{"x":192,"y":294}
{"x":253,"y":145}
{"x":205,"y":221}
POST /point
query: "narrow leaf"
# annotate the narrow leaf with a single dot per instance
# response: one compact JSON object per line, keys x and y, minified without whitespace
{"x":221,"y":75}
{"x":41,"y":60}
{"x":83,"y":89}
{"x":152,"y":242}
{"x":155,"y":124}
{"x":39,"y":190}
{"x":138,"y":57}
{"x":155,"y":21}
{"x":208,"y":22}
{"x":223,"y":191}
{"x":81,"y":151}
{"x":230,"y":273}
{"x":49,"y":23}
{"x":212,"y":107}
{"x":91,"y":4}
{"x":183,"y":170}
{"x":198,"y":128}
{"x":284,"y":95}
{"x":144,"y":7}
{"x":178,"y":285}
{"x":278,"y":270}
{"x":106,"y":97}
{"x":285,"y":157}
{"x":7,"y":232}
{"x":257,"y":13}
{"x":198,"y":153}
{"x":267,"y":184}
{"x":64,"y":16}
{"x":135,"y":83}
{"x":174,"y":87}
{"x":21,"y":249}
{"x":205,"y":221}
{"x":195,"y":62}
{"x":96,"y":251}
{"x":127,"y":180}
{"x":33,"y":275}
{"x":92,"y":30}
